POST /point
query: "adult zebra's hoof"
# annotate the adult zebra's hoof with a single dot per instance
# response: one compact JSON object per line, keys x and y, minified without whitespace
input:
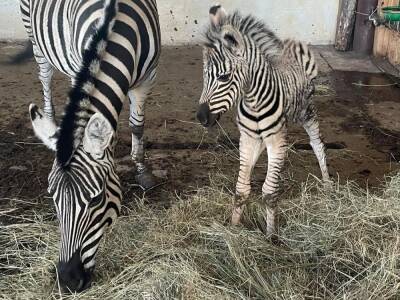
{"x":146,"y":180}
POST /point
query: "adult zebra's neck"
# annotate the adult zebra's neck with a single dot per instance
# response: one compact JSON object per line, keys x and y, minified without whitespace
{"x":100,"y":85}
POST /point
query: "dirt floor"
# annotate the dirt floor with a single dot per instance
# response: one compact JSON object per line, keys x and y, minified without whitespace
{"x":358,"y":114}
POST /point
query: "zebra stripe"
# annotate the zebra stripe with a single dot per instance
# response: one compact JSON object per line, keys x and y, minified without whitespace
{"x":81,"y":228}
{"x":271,"y":82}
{"x":109,"y":49}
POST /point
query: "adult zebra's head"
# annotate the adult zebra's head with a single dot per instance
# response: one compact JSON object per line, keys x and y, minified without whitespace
{"x":225,"y":71}
{"x":86,"y":194}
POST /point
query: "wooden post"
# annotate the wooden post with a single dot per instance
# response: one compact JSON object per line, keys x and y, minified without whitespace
{"x":345,"y":25}
{"x":364,"y":29}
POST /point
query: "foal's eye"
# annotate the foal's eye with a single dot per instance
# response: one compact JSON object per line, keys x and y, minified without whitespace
{"x":96,"y":200}
{"x":224,"y":77}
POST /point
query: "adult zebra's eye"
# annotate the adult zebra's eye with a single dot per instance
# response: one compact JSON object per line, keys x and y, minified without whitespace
{"x":96,"y":200}
{"x":51,"y":191}
{"x":224,"y":77}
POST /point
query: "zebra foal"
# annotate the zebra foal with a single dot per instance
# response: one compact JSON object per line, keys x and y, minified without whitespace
{"x":110,"y":50}
{"x":271,"y":83}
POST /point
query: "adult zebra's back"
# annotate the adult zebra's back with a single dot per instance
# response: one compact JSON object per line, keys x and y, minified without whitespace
{"x":109,"y":49}
{"x":271,"y":82}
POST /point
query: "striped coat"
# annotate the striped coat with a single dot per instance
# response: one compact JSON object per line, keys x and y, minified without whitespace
{"x":110,"y":50}
{"x":271,"y":82}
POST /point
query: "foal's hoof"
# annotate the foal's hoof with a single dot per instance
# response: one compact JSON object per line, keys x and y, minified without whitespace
{"x":328,"y":184}
{"x":274,"y":238}
{"x":146,"y":180}
{"x":236,"y":216}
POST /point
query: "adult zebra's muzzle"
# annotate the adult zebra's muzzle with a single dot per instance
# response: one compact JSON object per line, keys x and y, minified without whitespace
{"x":205,"y":116}
{"x":72,"y":275}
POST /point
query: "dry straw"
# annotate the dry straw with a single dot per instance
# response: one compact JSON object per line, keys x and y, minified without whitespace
{"x":338,"y":243}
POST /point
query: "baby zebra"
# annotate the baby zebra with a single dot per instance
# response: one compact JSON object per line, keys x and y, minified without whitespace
{"x":271,"y":82}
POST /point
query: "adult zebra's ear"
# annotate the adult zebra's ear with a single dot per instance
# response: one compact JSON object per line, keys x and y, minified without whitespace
{"x":98,"y":134}
{"x":44,"y":127}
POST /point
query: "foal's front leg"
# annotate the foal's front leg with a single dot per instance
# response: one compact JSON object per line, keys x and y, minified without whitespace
{"x":250,"y":149}
{"x":276,"y":148}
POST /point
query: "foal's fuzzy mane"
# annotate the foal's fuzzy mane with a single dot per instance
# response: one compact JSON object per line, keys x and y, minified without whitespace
{"x":248,"y":26}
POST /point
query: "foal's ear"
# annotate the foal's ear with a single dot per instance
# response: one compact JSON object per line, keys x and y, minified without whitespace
{"x":217,"y":15}
{"x":45,"y":129}
{"x":233,"y":40}
{"x":98,"y":134}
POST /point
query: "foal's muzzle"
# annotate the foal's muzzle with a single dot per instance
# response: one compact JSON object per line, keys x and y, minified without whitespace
{"x":205,"y":117}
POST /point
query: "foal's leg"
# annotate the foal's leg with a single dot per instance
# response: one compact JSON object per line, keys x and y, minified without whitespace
{"x":276,"y":148}
{"x":312,"y":128}
{"x":250,"y":149}
{"x":137,"y":97}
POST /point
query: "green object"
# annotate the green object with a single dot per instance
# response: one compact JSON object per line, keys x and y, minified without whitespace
{"x":391,"y":13}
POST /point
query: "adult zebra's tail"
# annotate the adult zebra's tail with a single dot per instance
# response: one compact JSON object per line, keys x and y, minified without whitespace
{"x":77,"y":112}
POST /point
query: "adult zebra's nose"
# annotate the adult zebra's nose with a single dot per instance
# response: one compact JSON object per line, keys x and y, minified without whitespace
{"x":72,"y":275}
{"x":203,"y":114}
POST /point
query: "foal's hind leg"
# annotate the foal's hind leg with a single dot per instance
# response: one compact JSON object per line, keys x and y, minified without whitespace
{"x":45,"y":77}
{"x":312,"y":128}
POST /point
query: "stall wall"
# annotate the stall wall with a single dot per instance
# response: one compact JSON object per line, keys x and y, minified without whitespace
{"x":182,"y":21}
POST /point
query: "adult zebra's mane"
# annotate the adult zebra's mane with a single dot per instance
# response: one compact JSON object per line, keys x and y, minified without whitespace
{"x":252,"y":28}
{"x":78,"y":110}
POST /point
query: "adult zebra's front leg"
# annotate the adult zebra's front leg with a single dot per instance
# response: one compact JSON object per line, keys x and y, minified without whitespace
{"x":137,"y":97}
{"x":250,"y":149}
{"x":45,"y":77}
{"x":276,"y":148}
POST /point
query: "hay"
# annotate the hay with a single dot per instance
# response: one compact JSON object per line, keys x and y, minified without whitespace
{"x":324,"y":90}
{"x":341,"y":243}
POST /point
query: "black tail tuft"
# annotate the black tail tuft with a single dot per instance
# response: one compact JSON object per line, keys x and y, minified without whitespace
{"x":22,"y":56}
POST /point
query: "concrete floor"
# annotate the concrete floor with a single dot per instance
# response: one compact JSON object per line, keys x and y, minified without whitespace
{"x":331,"y":60}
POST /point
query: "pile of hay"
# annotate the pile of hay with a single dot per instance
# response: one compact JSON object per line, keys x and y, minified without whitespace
{"x":339,"y":243}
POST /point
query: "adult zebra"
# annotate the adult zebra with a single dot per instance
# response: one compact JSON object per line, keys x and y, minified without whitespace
{"x":271,"y":81}
{"x":109,"y":49}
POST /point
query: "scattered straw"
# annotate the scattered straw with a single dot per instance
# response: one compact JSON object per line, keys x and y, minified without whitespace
{"x":324,"y":90}
{"x":337,"y":243}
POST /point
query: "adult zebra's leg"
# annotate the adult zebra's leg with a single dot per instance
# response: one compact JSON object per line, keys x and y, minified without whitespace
{"x":137,"y":97}
{"x":312,"y":128}
{"x":276,"y":148}
{"x":45,"y":76}
{"x":250,"y":149}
